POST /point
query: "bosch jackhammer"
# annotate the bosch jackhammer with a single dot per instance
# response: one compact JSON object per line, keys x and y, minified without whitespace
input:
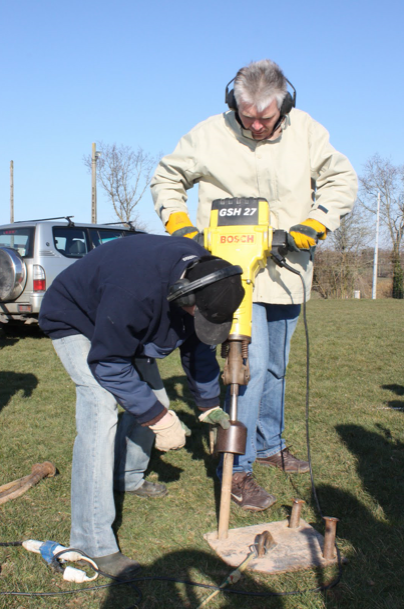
{"x":240,"y":233}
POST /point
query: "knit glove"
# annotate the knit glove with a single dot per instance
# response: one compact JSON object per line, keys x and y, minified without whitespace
{"x":171,"y":435}
{"x":215,"y":416}
{"x":307,"y":234}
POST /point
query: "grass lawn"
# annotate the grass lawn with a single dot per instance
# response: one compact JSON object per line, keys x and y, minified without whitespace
{"x":357,"y":448}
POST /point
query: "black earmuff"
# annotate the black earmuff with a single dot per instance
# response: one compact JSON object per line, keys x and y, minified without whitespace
{"x":230,"y":98}
{"x":178,"y":293}
{"x":288,"y":103}
{"x":182,"y":292}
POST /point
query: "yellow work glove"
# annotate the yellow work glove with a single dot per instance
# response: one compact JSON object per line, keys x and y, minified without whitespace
{"x":179,"y":225}
{"x":170,"y":435}
{"x":307,"y":234}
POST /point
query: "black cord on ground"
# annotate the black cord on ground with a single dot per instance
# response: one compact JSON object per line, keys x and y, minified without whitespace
{"x":313,"y":486}
{"x":306,"y":330}
{"x":11,"y":543}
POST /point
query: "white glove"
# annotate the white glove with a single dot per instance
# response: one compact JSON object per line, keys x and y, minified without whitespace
{"x":170,"y":434}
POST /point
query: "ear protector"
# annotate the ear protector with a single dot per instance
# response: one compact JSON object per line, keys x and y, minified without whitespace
{"x":288,"y":102}
{"x":182,"y":291}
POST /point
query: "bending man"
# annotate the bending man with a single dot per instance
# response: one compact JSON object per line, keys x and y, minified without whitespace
{"x":138,"y":296}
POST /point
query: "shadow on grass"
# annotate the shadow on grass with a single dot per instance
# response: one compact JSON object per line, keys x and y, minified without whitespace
{"x":380,"y":465}
{"x":376,"y":533}
{"x":12,"y":382}
{"x":398,"y":390}
{"x":10,"y":333}
{"x":172,"y":383}
{"x":188,"y":565}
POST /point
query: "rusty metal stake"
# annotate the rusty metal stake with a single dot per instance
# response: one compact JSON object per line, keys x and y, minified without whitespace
{"x":294,"y":520}
{"x":329,"y":537}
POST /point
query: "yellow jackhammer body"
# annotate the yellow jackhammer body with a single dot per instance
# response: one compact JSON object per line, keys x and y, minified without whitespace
{"x":240,"y":233}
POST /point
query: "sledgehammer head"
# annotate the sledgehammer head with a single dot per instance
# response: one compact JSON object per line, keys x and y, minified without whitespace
{"x":15,"y":489}
{"x":44,"y":470}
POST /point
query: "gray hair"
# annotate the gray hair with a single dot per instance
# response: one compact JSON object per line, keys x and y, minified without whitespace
{"x":259,"y":84}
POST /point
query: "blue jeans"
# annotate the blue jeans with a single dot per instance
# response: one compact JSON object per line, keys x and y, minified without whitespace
{"x":101,"y":448}
{"x":261,"y":402}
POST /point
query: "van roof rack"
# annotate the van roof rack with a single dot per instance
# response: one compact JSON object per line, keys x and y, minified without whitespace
{"x":70,"y":223}
{"x":127,"y":222}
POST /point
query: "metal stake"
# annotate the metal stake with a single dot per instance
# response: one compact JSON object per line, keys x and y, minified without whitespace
{"x":294,"y":521}
{"x":329,"y":537}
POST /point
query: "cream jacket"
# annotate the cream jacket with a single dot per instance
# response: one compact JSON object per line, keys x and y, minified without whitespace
{"x":298,"y":171}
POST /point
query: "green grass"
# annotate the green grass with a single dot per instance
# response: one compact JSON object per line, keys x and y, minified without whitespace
{"x":357,"y":448}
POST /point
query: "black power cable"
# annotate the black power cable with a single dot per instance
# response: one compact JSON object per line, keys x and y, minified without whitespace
{"x":280,"y":260}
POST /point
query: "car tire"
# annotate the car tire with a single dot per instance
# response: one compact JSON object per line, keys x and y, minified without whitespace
{"x":13,"y":274}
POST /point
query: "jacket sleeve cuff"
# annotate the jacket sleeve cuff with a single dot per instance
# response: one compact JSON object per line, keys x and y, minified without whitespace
{"x":154,"y":414}
{"x":321,"y":216}
{"x":208,"y":403}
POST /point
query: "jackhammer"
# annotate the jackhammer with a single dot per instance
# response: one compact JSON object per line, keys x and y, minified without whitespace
{"x":240,"y":233}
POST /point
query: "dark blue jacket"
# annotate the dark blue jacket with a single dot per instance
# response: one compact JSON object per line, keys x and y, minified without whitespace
{"x":116,"y":296}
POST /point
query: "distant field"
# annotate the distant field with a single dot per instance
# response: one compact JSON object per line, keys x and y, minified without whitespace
{"x":357,"y":447}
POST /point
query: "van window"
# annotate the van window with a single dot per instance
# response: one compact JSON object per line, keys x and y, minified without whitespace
{"x":19,"y":239}
{"x":103,"y":235}
{"x":70,"y":242}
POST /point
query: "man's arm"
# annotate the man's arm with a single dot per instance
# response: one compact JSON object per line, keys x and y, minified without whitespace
{"x":202,"y":370}
{"x":119,"y":377}
{"x":122,"y":321}
{"x":175,"y":174}
{"x":335,"y":179}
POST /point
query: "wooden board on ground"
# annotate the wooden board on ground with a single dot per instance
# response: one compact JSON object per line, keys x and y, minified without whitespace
{"x":296,"y":549}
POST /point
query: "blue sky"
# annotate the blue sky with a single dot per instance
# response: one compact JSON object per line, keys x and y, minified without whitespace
{"x":144,"y":73}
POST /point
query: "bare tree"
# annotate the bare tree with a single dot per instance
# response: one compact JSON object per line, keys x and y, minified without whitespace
{"x":381,"y":176}
{"x":339,"y":264}
{"x":353,"y":235}
{"x":124,"y":174}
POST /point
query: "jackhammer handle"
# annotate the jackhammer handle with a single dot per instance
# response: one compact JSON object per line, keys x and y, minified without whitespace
{"x":225,"y":497}
{"x":14,"y":484}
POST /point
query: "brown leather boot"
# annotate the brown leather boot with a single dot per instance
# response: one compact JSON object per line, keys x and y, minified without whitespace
{"x":285,"y":461}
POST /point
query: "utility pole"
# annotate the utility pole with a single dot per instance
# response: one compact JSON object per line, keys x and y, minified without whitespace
{"x":11,"y":191}
{"x":376,"y":252}
{"x":94,"y":158}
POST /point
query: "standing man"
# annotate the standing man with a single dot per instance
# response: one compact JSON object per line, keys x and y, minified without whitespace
{"x":262,"y":147}
{"x":139,"y":296}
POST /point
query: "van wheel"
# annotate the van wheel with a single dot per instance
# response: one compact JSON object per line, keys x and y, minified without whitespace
{"x":13,"y":274}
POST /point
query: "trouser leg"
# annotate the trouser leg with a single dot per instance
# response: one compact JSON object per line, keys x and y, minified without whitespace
{"x":282,"y":321}
{"x":134,"y":443}
{"x":261,"y":402}
{"x":92,"y":497}
{"x":249,"y":395}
